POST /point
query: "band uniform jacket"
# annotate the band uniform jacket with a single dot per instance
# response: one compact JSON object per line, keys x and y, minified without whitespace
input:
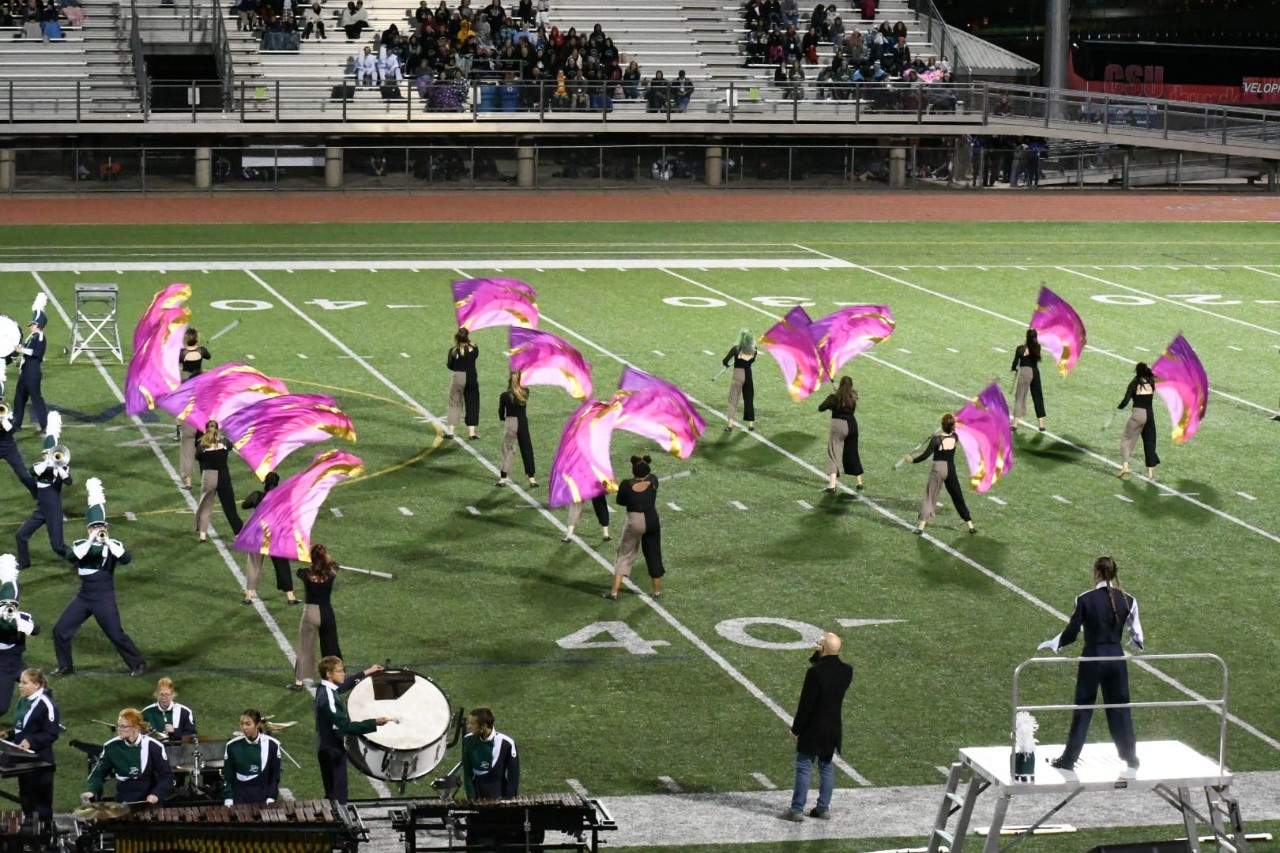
{"x":817,"y":726}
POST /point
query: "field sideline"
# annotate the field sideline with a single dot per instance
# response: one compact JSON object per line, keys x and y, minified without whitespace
{"x":585,"y":686}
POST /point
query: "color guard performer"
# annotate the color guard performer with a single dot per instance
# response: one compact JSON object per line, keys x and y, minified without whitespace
{"x":32,"y":370}
{"x":253,"y":567}
{"x":95,"y":560}
{"x":1142,"y":422}
{"x":15,"y":627}
{"x":512,"y":411}
{"x":170,"y":720}
{"x":600,"y":506}
{"x":942,"y":447}
{"x":1104,"y":613}
{"x":1026,"y":363}
{"x":252,"y":767}
{"x":36,"y":725}
{"x":842,"y":440}
{"x":135,"y":760}
{"x":333,"y":724}
{"x":50,"y":474}
{"x":464,"y":385}
{"x":9,"y":440}
{"x":741,"y":355}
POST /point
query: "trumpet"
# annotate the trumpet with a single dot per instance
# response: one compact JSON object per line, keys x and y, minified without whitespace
{"x":61,"y":455}
{"x":4,"y":410}
{"x":8,"y":610}
{"x":100,"y":536}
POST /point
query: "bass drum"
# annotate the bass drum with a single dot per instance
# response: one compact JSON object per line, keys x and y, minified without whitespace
{"x":10,"y":335}
{"x":404,"y":750}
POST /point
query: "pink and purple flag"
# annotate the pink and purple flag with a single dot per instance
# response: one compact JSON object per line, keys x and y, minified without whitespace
{"x":153,"y":370}
{"x":484,"y":302}
{"x":1182,"y":382}
{"x":1060,"y":329}
{"x":267,"y":431}
{"x":982,"y":427}
{"x":790,"y":342}
{"x":280,"y":525}
{"x":658,"y":409}
{"x":218,"y":393}
{"x":582,"y":469}
{"x":544,"y":359}
{"x":848,"y":332}
{"x":166,"y":300}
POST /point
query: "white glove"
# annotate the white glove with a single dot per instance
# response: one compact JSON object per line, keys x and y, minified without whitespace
{"x":40,"y":467}
{"x":270,"y":801}
{"x":62,"y":471}
{"x":1047,"y":644}
{"x":116,"y":547}
{"x":227,"y":801}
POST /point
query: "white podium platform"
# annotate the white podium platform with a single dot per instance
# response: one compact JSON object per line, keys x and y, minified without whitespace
{"x":1171,"y":769}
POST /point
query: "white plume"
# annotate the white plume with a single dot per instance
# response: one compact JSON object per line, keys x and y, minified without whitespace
{"x":95,"y":494}
{"x":42,"y":299}
{"x":8,"y":569}
{"x":54,"y":425}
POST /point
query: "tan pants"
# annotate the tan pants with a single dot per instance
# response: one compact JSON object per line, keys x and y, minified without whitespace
{"x":1132,"y":433}
{"x":835,"y":444}
{"x":187,"y":451}
{"x":629,"y":547}
{"x":308,"y":638}
{"x":933,"y":488}
{"x":456,"y":385}
{"x":736,"y":381}
{"x":1020,"y":392}
{"x":208,"y":494}
{"x":253,"y":571}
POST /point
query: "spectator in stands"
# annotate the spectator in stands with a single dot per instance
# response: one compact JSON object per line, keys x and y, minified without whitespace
{"x":754,"y":13}
{"x":494,"y":14}
{"x":390,"y":36}
{"x":682,"y":91}
{"x":31,"y":28}
{"x":856,"y":50}
{"x":313,"y":19}
{"x":791,"y":13}
{"x":74,"y":12}
{"x":467,"y":13}
{"x":579,"y":94}
{"x":791,"y":43}
{"x":818,"y":20}
{"x":773,"y":13}
{"x":658,"y":94}
{"x":421,"y":14}
{"x":757,"y":44}
{"x":366,"y":68}
{"x":631,"y":80}
{"x":1003,"y":107}
{"x":560,"y":95}
{"x":542,"y":9}
{"x":809,"y":46}
{"x":389,"y":69}
{"x":353,"y":20}
{"x":868,"y":9}
{"x":836,"y":30}
{"x":247,"y":14}
{"x":525,"y":13}
{"x":49,"y":24}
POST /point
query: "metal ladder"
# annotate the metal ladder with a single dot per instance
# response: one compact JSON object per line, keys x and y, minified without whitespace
{"x":96,"y":329}
{"x":952,"y":801}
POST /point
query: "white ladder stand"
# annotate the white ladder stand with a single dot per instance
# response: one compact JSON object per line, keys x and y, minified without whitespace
{"x":96,"y":329}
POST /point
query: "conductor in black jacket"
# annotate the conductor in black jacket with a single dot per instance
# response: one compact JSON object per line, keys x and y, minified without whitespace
{"x":817,"y":727}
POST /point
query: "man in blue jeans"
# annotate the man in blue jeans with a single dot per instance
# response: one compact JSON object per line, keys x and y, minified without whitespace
{"x":817,"y":727}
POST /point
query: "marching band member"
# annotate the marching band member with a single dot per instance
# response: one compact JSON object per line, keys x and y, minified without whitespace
{"x":318,"y":619}
{"x":95,"y":560}
{"x":15,"y":627}
{"x":490,"y":764}
{"x":512,"y":411}
{"x":1141,"y":391}
{"x":252,"y":766}
{"x":464,"y":387}
{"x":1026,"y":363}
{"x":50,"y":474}
{"x":599,"y":505}
{"x":333,"y":724}
{"x":8,"y":440}
{"x":253,"y":568}
{"x":942,"y":447}
{"x":190,"y":364}
{"x":136,"y":760}
{"x":169,"y":719}
{"x":31,"y":372}
{"x":842,"y":440}
{"x":213,"y":450}
{"x":35,"y":727}
{"x":741,"y":355}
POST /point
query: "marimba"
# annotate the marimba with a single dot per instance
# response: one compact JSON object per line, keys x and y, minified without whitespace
{"x":518,"y":823}
{"x":303,"y":826}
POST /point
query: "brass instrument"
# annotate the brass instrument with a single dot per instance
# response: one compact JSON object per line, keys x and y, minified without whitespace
{"x":61,"y":455}
{"x":8,"y":610}
{"x":4,"y":410}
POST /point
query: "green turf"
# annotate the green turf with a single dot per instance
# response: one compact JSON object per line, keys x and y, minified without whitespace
{"x":480,"y":602}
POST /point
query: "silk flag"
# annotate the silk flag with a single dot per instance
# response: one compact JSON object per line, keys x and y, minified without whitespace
{"x":219,"y":392}
{"x":166,"y":300}
{"x":1183,"y":384}
{"x":1060,"y":329}
{"x":280,"y":525}
{"x":582,"y":469}
{"x":153,"y":369}
{"x":544,"y":359}
{"x":791,"y":344}
{"x":658,"y":409}
{"x":982,"y":427}
{"x":484,"y":302}
{"x":267,"y":431}
{"x":848,"y":332}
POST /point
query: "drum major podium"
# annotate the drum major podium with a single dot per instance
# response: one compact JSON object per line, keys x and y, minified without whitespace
{"x":96,"y":329}
{"x":1175,"y":772}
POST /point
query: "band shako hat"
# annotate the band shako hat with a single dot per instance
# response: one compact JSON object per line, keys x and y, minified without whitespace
{"x":96,"y":516}
{"x":52,"y":432}
{"x":8,"y":587}
{"x":38,"y":317}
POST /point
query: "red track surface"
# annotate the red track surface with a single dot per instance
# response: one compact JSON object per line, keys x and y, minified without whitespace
{"x":1001,"y":205}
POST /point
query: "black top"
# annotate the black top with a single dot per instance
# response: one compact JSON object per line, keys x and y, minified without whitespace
{"x":1022,"y":357}
{"x":195,"y":366}
{"x":464,"y":362}
{"x":509,"y":407}
{"x":738,"y":362}
{"x":645,"y":500}
{"x":1140,"y":392}
{"x":817,"y":724}
{"x":315,"y":593}
{"x":830,"y":405}
{"x":213,"y":458}
{"x":942,"y":447}
{"x":1103,"y":613}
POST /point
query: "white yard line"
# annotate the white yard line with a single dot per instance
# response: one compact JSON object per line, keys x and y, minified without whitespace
{"x":417,"y":264}
{"x":996,"y":578}
{"x":732,"y":671}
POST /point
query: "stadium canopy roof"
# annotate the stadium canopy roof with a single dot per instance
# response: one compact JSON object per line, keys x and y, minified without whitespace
{"x":985,"y":60}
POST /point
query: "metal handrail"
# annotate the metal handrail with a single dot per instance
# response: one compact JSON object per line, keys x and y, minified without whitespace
{"x":139,"y":59}
{"x":1219,"y":705}
{"x":222,"y":55}
{"x":947,"y":47}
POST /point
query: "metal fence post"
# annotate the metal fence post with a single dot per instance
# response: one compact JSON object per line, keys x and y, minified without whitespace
{"x":277,"y":100}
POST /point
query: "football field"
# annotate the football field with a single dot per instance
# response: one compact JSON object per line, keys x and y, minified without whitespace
{"x":691,"y":692}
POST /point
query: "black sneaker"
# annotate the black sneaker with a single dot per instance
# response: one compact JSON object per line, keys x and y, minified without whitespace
{"x":140,"y":669}
{"x":64,"y":670}
{"x":1062,"y":763}
{"x":820,"y":815}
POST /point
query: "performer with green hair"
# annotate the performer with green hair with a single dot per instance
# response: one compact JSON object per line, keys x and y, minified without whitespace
{"x":741,"y":356}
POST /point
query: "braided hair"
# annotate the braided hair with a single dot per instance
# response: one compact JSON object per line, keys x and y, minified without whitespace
{"x":1104,"y":569}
